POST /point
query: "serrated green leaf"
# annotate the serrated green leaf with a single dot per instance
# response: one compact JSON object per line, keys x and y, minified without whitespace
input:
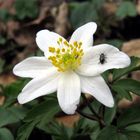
{"x":125,"y":9}
{"x":25,"y":130}
{"x":128,"y":117}
{"x":57,"y":130}
{"x":90,"y":128}
{"x":127,"y":85}
{"x":45,"y":110}
{"x":122,"y":93}
{"x":135,"y":65}
{"x":110,"y":133}
{"x":11,"y":115}
{"x":5,"y":134}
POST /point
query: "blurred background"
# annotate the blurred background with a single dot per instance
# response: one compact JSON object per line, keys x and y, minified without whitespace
{"x":118,"y":24}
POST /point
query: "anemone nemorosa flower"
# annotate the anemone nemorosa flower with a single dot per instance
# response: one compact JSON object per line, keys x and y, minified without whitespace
{"x":70,"y":68}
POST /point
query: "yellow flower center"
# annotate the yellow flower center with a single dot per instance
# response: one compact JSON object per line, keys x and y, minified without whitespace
{"x":67,"y":56}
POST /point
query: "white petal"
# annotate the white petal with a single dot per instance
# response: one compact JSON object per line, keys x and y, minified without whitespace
{"x":84,"y":34}
{"x":97,"y":87}
{"x":39,"y":87}
{"x":69,"y":92}
{"x":46,"y":38}
{"x":33,"y":67}
{"x":91,"y":65}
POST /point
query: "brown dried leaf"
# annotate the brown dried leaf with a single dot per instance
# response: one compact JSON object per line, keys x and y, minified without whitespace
{"x":7,"y":79}
{"x":132,"y":48}
{"x":62,"y":25}
{"x":2,"y":27}
{"x":24,"y":38}
{"x":138,"y":7}
{"x":12,"y":26}
{"x":124,"y":103}
{"x":110,"y":8}
{"x":44,"y":12}
{"x":8,"y":5}
{"x":2,"y":99}
{"x":136,"y":75}
{"x":68,"y":121}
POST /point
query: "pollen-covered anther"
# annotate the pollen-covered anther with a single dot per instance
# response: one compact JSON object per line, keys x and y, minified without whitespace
{"x":51,"y":49}
{"x":60,"y":39}
{"x":67,"y":56}
{"x":75,"y":44}
{"x":63,"y":50}
{"x":58,"y":51}
{"x":66,"y":43}
{"x":80,"y":44}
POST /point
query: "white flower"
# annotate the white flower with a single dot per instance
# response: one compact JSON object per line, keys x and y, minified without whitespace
{"x":70,"y":68}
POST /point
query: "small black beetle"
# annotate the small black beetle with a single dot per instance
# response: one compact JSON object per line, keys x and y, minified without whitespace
{"x":102,"y":58}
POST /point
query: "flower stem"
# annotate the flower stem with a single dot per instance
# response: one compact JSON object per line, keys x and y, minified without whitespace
{"x":98,"y":117}
{"x":89,"y":105}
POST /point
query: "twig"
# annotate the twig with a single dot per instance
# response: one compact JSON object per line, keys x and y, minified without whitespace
{"x":87,"y":115}
{"x":98,"y":118}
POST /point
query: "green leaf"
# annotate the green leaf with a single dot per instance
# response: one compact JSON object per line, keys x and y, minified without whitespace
{"x":134,"y":127}
{"x":125,"y":9}
{"x":5,"y":134}
{"x":105,"y":75}
{"x":110,"y":133}
{"x":115,"y":42}
{"x":25,"y":130}
{"x":109,"y":114}
{"x":11,"y":115}
{"x":128,"y":117}
{"x":82,"y":13}
{"x":122,"y":93}
{"x":45,"y":110}
{"x":4,"y":15}
{"x":89,"y":127}
{"x":11,"y":92}
{"x":132,"y":135}
{"x":127,"y":85}
{"x":98,"y":3}
{"x":59,"y":131}
{"x":14,"y":89}
{"x":135,"y":65}
{"x":26,"y":9}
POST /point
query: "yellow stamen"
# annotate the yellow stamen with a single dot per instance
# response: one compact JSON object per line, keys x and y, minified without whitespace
{"x":68,"y":56}
{"x":75,"y":44}
{"x":66,"y":43}
{"x":63,"y":50}
{"x":60,"y":39}
{"x":51,"y":49}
